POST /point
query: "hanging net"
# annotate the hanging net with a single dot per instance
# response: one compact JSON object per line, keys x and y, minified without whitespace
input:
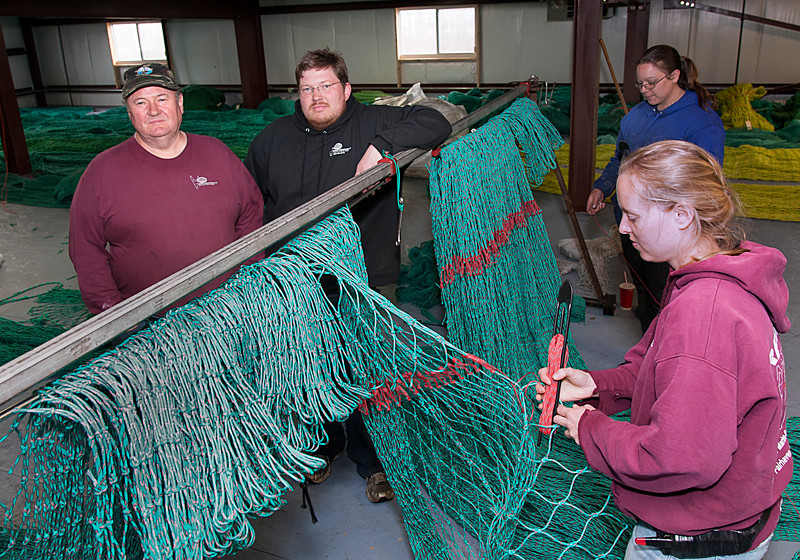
{"x":499,"y":276}
{"x":163,"y":446}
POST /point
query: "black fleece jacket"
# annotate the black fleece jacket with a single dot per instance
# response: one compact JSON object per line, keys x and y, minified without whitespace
{"x":293,"y":163}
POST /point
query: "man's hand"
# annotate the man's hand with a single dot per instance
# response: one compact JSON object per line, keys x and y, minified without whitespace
{"x":369,"y":159}
{"x":576,"y":384}
{"x":570,"y":417}
{"x":596,"y":202}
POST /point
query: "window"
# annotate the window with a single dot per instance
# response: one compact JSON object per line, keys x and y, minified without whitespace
{"x":436,"y":33}
{"x":132,"y":43}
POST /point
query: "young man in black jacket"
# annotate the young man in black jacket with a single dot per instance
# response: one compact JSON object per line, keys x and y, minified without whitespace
{"x":330,"y":138}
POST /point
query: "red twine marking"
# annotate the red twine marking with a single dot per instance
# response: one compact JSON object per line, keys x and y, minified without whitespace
{"x":389,"y":393}
{"x":477,"y":263}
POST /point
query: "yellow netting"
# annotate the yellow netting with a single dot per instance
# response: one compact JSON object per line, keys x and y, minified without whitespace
{"x":776,"y":197}
{"x":735,"y":109}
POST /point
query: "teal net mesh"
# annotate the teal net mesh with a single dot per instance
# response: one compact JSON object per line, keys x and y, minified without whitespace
{"x":499,"y":276}
{"x":163,"y":446}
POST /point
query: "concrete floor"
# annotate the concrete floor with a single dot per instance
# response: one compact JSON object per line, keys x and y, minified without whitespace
{"x":33,"y":245}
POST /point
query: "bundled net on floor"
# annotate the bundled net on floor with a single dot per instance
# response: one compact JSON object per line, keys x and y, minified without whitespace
{"x":54,"y":312}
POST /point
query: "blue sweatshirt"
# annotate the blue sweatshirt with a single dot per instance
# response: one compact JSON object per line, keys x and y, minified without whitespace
{"x":645,"y":124}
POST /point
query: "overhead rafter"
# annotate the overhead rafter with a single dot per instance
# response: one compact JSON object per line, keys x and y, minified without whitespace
{"x":636,"y":34}
{"x":193,"y":9}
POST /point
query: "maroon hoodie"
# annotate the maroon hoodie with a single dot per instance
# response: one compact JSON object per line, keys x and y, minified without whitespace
{"x":706,"y":447}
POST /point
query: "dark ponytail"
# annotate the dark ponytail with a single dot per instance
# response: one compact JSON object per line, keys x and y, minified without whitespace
{"x":688,"y":80}
{"x":667,"y":59}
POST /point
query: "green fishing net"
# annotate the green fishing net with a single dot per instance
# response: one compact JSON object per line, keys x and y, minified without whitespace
{"x":164,"y":446}
{"x":167,"y":445}
{"x":54,"y":312}
{"x":498,"y":274}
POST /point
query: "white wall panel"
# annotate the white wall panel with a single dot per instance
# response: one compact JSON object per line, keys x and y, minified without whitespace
{"x":26,"y":101}
{"x":12,"y":32}
{"x":203,"y":52}
{"x":439,"y":72}
{"x":364,"y":37}
{"x":768,"y":54}
{"x":20,"y":72}
{"x":713,"y":42}
{"x":517,"y":41}
{"x":613,"y":33}
{"x":51,"y":60}
{"x":87,"y":54}
{"x":669,"y":27}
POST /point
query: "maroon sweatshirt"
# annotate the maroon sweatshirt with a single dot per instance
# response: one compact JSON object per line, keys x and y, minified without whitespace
{"x":706,"y":447}
{"x":137,"y":218}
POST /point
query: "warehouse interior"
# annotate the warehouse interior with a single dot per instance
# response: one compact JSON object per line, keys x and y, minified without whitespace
{"x":60,"y":105}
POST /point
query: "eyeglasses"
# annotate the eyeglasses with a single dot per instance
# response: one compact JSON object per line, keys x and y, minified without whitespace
{"x":324,"y":88}
{"x":648,"y":84}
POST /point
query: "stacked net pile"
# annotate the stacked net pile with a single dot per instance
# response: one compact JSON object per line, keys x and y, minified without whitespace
{"x":499,"y":277}
{"x":766,"y":179}
{"x":162,"y":447}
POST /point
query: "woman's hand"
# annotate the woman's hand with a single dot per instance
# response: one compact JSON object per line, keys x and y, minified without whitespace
{"x":570,"y":417}
{"x":595,"y":202}
{"x":576,"y":384}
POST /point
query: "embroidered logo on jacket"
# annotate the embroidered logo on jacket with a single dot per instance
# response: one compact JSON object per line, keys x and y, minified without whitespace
{"x":201,"y":182}
{"x":338,"y":150}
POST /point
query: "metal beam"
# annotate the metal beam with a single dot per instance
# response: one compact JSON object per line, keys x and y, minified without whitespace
{"x":190,"y":9}
{"x":585,"y":99}
{"x":15,"y":147}
{"x":20,"y":377}
{"x":250,"y":47}
{"x":741,"y":15}
{"x":636,"y":33}
{"x":33,"y":62}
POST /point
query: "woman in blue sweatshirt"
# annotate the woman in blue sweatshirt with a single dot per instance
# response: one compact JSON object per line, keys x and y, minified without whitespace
{"x":675,"y":107}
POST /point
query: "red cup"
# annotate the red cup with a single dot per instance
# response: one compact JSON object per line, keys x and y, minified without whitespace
{"x":626,"y":295}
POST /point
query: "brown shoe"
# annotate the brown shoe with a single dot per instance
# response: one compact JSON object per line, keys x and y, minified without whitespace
{"x":378,"y":488}
{"x":321,"y":475}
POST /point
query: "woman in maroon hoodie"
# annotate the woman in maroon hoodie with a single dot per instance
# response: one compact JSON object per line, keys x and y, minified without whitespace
{"x":703,"y":462}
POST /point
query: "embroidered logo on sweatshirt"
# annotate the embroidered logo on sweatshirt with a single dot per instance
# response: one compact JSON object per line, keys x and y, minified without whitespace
{"x":338,"y":150}
{"x":201,"y":182}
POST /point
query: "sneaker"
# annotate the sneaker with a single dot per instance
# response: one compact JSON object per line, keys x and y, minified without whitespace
{"x":378,"y":488}
{"x":321,"y":475}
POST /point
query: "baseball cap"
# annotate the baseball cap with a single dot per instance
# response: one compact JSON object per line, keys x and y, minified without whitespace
{"x":148,"y":74}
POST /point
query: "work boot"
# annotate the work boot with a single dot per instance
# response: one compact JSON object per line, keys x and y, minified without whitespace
{"x":321,"y":475}
{"x":378,"y":488}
